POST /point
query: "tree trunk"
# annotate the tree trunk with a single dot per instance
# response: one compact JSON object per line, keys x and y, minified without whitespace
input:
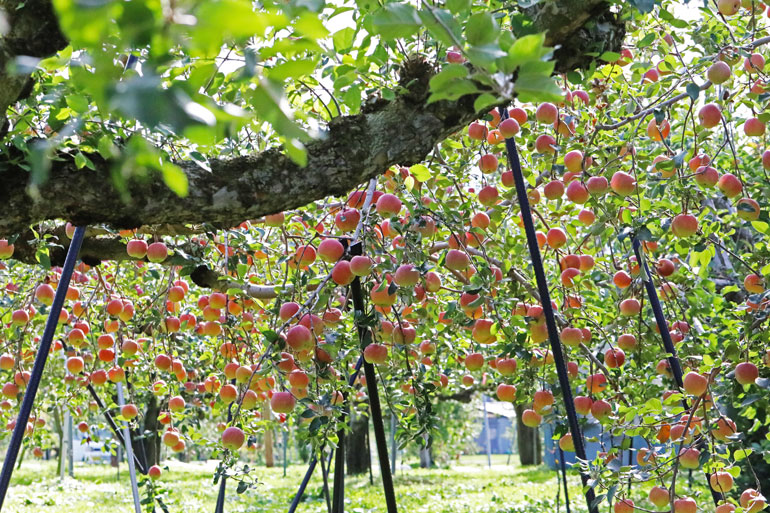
{"x":426,"y":455}
{"x":528,"y":441}
{"x":356,"y":452}
{"x":146,"y":444}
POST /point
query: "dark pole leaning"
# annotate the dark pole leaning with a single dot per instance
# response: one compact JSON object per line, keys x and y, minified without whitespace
{"x":563,"y":465}
{"x":314,"y":461}
{"x":550,"y":319}
{"x":668,"y":344}
{"x":374,"y":398}
{"x":37,"y":370}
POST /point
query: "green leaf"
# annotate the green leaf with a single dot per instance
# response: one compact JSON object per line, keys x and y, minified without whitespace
{"x":231,"y":19}
{"x":77,"y":102}
{"x":646,"y":40}
{"x":175,"y":178}
{"x":458,"y":6}
{"x":343,"y":39}
{"x":441,"y":25}
{"x":527,"y":48}
{"x":609,"y":56}
{"x":484,"y":56}
{"x":742,"y":454}
{"x":396,"y":20}
{"x":291,"y":69}
{"x":454,"y":90}
{"x":484,"y":101}
{"x":693,"y":91}
{"x":420,"y":172}
{"x":481,"y":29}
{"x":537,"y":88}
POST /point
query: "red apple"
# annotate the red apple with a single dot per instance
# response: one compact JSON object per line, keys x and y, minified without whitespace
{"x":684,"y":225}
{"x":233,"y":438}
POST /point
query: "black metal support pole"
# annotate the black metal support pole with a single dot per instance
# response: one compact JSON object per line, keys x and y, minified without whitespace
{"x":374,"y":398}
{"x":37,"y":370}
{"x":550,"y":319}
{"x":564,"y":478}
{"x":338,"y":490}
{"x":314,"y":461}
{"x":220,"y":505}
{"x":668,"y":344}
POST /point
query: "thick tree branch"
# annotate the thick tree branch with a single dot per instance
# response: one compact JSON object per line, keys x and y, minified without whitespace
{"x":34,"y":32}
{"x":355,"y":149}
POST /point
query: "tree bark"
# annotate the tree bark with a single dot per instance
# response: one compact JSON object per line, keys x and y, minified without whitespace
{"x":354,"y":148}
{"x":528,"y":440}
{"x":146,"y":443}
{"x":356,"y":454}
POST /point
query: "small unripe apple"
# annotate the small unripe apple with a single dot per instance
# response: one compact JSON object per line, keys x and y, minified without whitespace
{"x":136,"y":248}
{"x":747,"y":209}
{"x":509,"y":127}
{"x":376,"y":353}
{"x":721,"y":481}
{"x":752,"y":501}
{"x":577,"y":192}
{"x":282,"y":402}
{"x":531,"y":418}
{"x":597,"y":185}
{"x":685,"y":505}
{"x":330,"y":250}
{"x":753,"y":127}
{"x":506,"y":392}
{"x":622,"y":183}
{"x":719,"y":72}
{"x":556,"y":237}
{"x":710,"y":115}
{"x":573,"y":161}
{"x":546,"y":113}
{"x":477,"y":131}
{"x":746,"y":373}
{"x":545,"y":144}
{"x":553,"y":190}
{"x":754,"y":284}
{"x":659,"y":496}
{"x":457,"y":260}
{"x":233,"y":438}
{"x":684,"y":225}
{"x":624,"y":506}
{"x":754,"y":62}
{"x":6,"y":250}
{"x":695,"y":384}
{"x":728,"y":7}
{"x":630,"y":307}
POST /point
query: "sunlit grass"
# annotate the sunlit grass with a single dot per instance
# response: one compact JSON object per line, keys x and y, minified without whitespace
{"x":469,"y":486}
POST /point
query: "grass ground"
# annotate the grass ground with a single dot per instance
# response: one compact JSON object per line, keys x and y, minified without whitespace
{"x":468,"y":487}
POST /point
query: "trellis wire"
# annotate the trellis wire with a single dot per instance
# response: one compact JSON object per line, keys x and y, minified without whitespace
{"x":550,"y":320}
{"x":37,"y":370}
